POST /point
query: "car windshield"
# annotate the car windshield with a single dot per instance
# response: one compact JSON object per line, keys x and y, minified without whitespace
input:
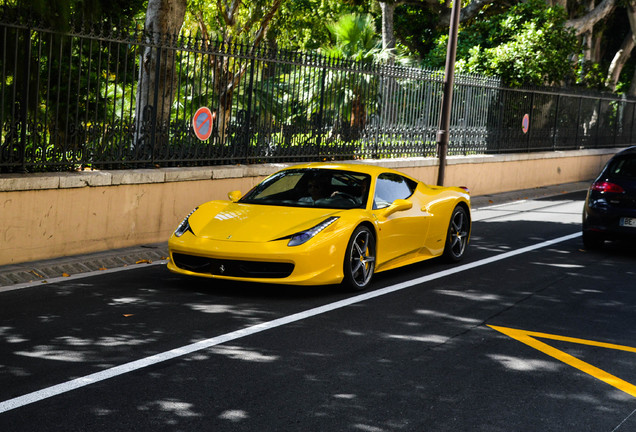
{"x":624,"y":167}
{"x":323,"y":188}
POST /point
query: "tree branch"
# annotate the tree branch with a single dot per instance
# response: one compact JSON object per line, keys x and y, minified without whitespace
{"x":587,"y":22}
{"x":260,"y":34}
{"x":469,"y":11}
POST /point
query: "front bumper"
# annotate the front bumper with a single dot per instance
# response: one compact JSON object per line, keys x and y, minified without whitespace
{"x":318,"y":262}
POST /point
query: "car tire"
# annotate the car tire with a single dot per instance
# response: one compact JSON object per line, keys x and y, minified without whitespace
{"x":592,"y":240}
{"x":359,"y":261}
{"x":457,"y":236}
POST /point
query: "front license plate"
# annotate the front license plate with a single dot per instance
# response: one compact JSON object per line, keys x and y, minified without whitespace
{"x":628,"y":222}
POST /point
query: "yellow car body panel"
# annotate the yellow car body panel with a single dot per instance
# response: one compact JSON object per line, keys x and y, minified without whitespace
{"x":435,"y":211}
{"x":224,"y":234}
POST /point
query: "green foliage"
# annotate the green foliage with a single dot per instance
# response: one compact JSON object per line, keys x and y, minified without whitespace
{"x":591,"y":75}
{"x":64,"y":15}
{"x":239,"y":26}
{"x":297,"y":95}
{"x":298,"y":25}
{"x":415,"y":28}
{"x":526,"y":45}
{"x":624,"y":83}
{"x":301,"y":23}
{"x":355,"y":38}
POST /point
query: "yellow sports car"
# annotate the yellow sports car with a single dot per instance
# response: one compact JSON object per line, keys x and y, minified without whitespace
{"x":322,"y":223}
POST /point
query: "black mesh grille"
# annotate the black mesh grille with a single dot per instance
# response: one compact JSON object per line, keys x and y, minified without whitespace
{"x":233,"y":268}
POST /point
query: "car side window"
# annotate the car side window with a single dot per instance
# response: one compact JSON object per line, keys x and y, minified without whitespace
{"x":390,"y":187}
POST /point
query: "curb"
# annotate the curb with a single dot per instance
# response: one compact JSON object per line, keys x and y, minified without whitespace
{"x":63,"y":267}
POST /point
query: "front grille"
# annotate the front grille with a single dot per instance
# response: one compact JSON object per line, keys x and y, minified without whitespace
{"x":233,"y":268}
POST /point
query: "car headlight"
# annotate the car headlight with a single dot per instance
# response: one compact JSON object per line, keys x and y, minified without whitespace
{"x":304,"y":236}
{"x":184,"y":225}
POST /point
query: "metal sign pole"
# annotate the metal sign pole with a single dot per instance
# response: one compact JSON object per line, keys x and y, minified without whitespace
{"x":447,"y":97}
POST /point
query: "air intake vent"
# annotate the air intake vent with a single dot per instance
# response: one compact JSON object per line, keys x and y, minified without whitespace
{"x":233,"y":268}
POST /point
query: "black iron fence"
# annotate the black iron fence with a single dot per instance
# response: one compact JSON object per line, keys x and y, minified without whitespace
{"x":122,"y":99}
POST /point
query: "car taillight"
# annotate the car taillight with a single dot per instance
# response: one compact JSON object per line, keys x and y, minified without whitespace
{"x":603,"y":186}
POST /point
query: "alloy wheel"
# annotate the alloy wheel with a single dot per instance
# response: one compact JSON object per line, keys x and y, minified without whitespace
{"x":458,"y":232}
{"x":360,"y":258}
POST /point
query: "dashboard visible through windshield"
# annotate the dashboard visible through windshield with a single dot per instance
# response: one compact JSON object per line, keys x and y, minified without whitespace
{"x":322,"y":188}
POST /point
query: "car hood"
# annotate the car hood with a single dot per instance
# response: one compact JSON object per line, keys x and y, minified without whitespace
{"x":225,"y":220}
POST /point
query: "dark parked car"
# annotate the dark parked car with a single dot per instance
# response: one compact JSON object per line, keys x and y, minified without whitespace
{"x":610,"y":206}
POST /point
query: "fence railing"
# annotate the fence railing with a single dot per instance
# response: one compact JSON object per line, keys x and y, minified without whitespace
{"x":127,"y":99}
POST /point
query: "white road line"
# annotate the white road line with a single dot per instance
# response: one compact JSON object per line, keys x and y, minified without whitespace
{"x":208,"y":343}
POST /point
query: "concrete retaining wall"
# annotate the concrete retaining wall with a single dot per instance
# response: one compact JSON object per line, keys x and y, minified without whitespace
{"x":60,"y":214}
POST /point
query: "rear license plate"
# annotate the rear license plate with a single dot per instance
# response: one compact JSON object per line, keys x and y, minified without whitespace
{"x":628,"y":222}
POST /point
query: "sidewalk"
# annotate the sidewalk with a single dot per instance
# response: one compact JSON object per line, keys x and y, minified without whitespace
{"x":46,"y":270}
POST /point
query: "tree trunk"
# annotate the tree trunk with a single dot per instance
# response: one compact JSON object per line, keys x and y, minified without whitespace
{"x":562,"y":3}
{"x":620,"y":58}
{"x":632,"y":87}
{"x":388,"y":43}
{"x":224,"y":82}
{"x":157,"y":77}
{"x":388,"y":33}
{"x":631,"y":15}
{"x":358,"y":117}
{"x":588,"y":36}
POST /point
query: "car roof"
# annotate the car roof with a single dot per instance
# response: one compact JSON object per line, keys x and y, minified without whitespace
{"x":628,"y":151}
{"x":373,"y":170}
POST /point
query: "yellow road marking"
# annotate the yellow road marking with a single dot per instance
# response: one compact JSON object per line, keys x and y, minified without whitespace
{"x":528,"y":338}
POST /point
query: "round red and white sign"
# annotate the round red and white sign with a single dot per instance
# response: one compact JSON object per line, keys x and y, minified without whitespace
{"x":525,"y":123}
{"x":202,"y":123}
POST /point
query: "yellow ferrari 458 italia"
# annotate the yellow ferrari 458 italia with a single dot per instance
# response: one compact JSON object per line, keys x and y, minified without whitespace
{"x":322,"y":223}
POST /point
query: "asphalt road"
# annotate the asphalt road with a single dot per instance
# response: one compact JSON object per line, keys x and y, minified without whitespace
{"x":529,"y":333}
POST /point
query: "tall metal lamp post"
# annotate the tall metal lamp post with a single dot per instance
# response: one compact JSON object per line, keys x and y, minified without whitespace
{"x":447,"y":97}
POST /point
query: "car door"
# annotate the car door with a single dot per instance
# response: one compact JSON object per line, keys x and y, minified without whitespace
{"x":401,"y":233}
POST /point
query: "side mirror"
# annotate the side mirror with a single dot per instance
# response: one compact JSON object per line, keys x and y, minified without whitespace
{"x":234,"y":196}
{"x":397,"y":206}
